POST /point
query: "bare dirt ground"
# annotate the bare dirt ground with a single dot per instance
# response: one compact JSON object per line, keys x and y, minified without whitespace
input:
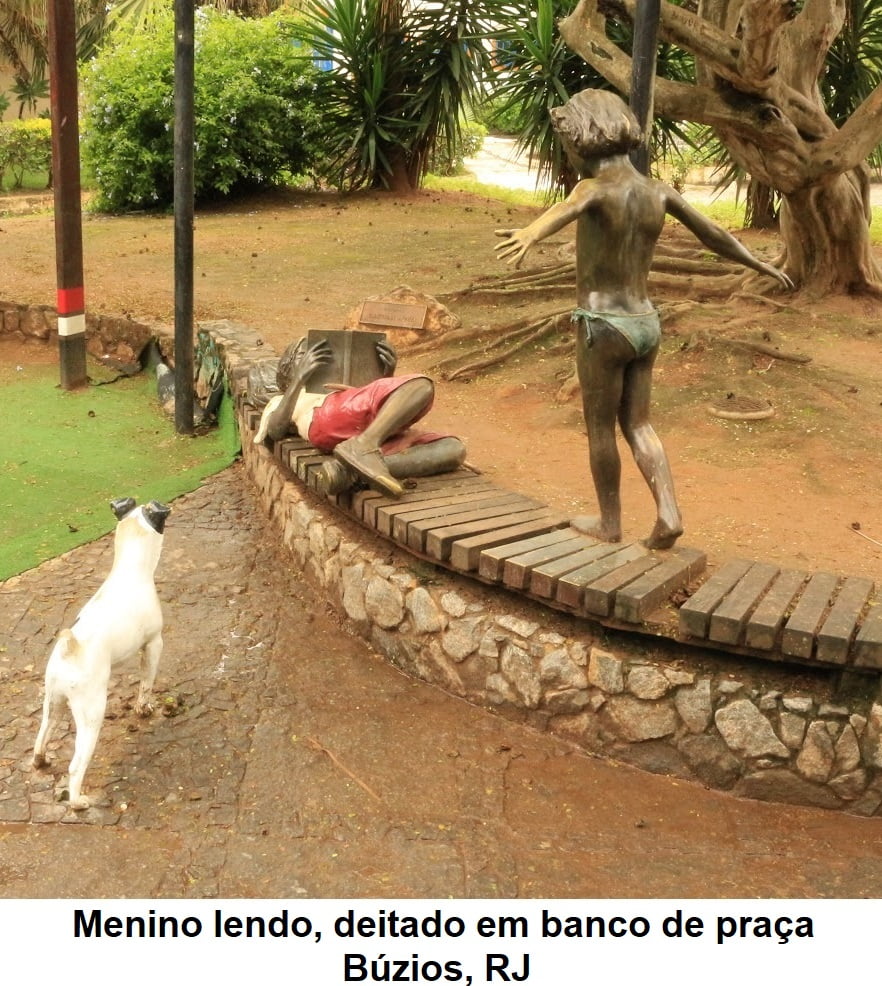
{"x":799,"y":489}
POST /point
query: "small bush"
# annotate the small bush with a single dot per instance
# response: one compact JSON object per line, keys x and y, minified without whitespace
{"x":446,"y":161}
{"x":255,"y":117}
{"x":502,"y":117}
{"x":25,"y":147}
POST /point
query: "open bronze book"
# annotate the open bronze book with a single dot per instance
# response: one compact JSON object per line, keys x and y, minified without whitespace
{"x":355,"y":361}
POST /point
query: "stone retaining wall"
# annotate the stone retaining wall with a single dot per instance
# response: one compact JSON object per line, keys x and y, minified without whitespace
{"x":773,"y":733}
{"x":107,"y":336}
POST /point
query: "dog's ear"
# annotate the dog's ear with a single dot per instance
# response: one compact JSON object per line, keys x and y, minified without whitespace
{"x":156,"y":513}
{"x":122,"y":506}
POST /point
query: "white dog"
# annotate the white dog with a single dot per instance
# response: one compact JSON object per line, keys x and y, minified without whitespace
{"x":121,"y":619}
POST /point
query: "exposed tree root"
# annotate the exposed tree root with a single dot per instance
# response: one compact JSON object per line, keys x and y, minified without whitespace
{"x":480,"y":334}
{"x":763,"y":349}
{"x":677,"y":273}
{"x":525,"y":337}
{"x":563,"y":275}
{"x":568,"y":389}
{"x":771,"y":302}
{"x":691,"y":265}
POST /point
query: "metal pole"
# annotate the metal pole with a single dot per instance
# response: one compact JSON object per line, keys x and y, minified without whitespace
{"x":643,"y":60}
{"x":70,"y":296}
{"x":183,"y":189}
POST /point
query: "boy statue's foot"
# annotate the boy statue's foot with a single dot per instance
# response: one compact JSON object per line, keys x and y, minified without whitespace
{"x":663,"y":535}
{"x":593,"y":527}
{"x":365,"y":460}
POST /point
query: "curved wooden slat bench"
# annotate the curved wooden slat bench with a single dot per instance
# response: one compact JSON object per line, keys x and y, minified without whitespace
{"x":475,"y":528}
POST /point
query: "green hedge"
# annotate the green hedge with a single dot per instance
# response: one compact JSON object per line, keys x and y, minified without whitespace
{"x":25,"y":147}
{"x":256,"y":119}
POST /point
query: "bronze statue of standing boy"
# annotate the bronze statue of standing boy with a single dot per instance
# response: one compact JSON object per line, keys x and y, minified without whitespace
{"x":620,"y":215}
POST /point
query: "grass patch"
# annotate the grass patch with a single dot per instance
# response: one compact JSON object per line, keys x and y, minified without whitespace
{"x":32,"y":181}
{"x":876,"y":225}
{"x":66,"y":454}
{"x":724,"y":212}
{"x":463,"y":183}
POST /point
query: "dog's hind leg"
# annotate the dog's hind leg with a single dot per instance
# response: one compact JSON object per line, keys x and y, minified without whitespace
{"x":56,"y":692}
{"x":53,"y":706}
{"x":88,"y":713}
{"x":149,"y":665}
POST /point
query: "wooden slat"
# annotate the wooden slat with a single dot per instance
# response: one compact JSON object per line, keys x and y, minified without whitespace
{"x":728,"y":620}
{"x":444,"y":506}
{"x":766,"y":621}
{"x":543,"y":579}
{"x":306,"y":464}
{"x":599,"y":597}
{"x":287,"y":445}
{"x":388,"y":506}
{"x":838,"y":628}
{"x":867,"y":649}
{"x":366,"y":500}
{"x":288,"y":452}
{"x":416,"y":532}
{"x":294,"y":454}
{"x":694,"y":615}
{"x":440,"y":540}
{"x":798,"y":638}
{"x":251,"y":417}
{"x":465,"y":554}
{"x":313,"y":471}
{"x":516,"y":571}
{"x":492,"y":561}
{"x":466,"y":522}
{"x":571,"y":586}
{"x":636,"y":601}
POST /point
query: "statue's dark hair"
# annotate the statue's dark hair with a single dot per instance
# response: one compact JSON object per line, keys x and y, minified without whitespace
{"x":597,"y":121}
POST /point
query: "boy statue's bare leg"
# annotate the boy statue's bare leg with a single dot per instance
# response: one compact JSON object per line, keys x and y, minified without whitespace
{"x":600,"y":362}
{"x":606,"y":468}
{"x":649,"y":453}
{"x":428,"y":459}
{"x":401,"y":408}
{"x":652,"y":462}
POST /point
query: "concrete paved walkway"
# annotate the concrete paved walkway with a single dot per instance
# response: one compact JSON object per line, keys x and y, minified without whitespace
{"x":289,"y":761}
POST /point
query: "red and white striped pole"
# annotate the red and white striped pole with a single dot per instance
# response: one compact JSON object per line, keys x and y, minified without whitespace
{"x":66,"y":184}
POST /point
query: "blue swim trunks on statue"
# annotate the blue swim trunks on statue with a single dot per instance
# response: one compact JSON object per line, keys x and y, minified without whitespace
{"x":643,"y":330}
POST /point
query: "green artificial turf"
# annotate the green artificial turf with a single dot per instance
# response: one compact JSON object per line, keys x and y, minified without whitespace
{"x":66,"y":454}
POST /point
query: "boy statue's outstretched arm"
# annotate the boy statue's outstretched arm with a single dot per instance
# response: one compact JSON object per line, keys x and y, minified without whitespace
{"x":518,"y":241}
{"x":718,"y":240}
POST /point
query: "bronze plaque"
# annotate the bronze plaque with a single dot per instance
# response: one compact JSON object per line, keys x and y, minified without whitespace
{"x":393,"y":313}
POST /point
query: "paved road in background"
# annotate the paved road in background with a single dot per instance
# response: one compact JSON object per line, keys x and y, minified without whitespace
{"x":287,"y":760}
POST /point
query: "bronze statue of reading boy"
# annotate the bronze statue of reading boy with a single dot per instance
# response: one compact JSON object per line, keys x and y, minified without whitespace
{"x":367,"y":428}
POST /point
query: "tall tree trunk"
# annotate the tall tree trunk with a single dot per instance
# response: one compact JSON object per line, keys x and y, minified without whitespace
{"x":827,"y":237}
{"x":390,"y":17}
